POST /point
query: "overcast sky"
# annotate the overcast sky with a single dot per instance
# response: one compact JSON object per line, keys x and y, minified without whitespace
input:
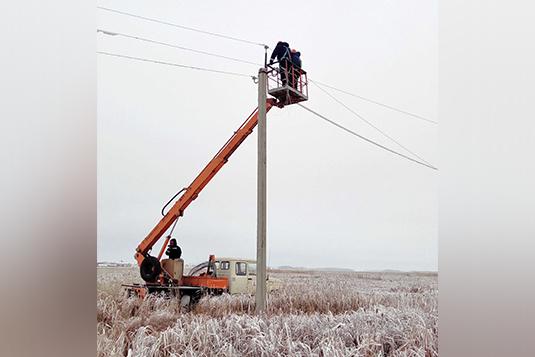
{"x":333,"y":199}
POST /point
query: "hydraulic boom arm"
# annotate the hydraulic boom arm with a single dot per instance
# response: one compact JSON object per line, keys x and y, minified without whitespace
{"x":198,"y":184}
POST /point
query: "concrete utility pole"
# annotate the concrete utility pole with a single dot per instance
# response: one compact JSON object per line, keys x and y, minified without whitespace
{"x":261,"y":268}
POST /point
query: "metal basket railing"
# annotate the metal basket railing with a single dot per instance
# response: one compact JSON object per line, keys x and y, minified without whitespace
{"x":287,"y":83}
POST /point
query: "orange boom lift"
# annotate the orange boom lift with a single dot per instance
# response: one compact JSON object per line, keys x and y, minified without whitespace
{"x":155,"y":275}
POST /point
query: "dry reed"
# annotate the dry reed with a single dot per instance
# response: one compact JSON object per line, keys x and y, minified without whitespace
{"x":314,"y":314}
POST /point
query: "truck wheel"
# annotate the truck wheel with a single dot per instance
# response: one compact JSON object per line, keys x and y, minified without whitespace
{"x":196,"y":296}
{"x":150,"y":269}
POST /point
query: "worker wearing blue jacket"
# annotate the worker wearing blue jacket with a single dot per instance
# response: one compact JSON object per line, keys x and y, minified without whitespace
{"x":282,"y":53}
{"x":295,"y":57}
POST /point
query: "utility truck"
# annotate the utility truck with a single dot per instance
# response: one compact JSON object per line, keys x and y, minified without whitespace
{"x":240,"y":274}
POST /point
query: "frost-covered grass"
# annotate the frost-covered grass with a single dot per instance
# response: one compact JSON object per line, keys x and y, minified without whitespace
{"x":313,"y":314}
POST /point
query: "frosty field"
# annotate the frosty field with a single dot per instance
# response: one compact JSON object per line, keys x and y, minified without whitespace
{"x":313,"y":314}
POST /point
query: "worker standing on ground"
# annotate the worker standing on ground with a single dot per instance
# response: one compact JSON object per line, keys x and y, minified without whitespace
{"x":173,"y":251}
{"x":296,"y":63}
{"x":282,"y":53}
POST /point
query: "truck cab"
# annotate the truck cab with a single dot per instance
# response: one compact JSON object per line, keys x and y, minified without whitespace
{"x":241,"y":274}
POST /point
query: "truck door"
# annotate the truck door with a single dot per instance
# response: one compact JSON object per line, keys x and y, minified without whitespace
{"x":223,"y":270}
{"x":239,"y":280}
{"x":251,"y":278}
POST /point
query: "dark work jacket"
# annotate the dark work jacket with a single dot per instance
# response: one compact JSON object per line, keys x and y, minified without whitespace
{"x":296,"y":59}
{"x":281,"y":51}
{"x":174,"y":252}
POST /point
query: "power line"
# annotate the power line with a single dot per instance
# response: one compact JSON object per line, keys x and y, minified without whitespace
{"x":366,"y":139}
{"x":176,"y":46}
{"x":184,"y":27}
{"x":246,"y":75}
{"x":375,"y":102}
{"x":175,"y":64}
{"x":252,"y":43}
{"x":369,"y":123}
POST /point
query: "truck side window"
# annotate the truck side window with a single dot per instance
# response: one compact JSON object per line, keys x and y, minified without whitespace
{"x":241,"y":268}
{"x":224,"y":265}
{"x":252,"y":268}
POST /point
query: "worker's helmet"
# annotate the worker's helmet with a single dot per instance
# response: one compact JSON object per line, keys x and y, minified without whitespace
{"x":172,"y":241}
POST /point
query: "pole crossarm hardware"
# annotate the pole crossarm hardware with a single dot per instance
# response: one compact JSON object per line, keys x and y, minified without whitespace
{"x":193,"y":190}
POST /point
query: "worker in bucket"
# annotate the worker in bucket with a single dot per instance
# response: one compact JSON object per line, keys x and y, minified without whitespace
{"x":282,"y":53}
{"x":295,"y":57}
{"x":173,"y":250}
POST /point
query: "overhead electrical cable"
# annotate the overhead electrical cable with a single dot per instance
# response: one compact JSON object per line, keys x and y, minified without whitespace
{"x":374,"y":102}
{"x":106,"y":32}
{"x":184,"y":27}
{"x":246,"y":75}
{"x":244,"y":61}
{"x":176,"y":64}
{"x":370,"y":124}
{"x":230,"y":58}
{"x":366,"y":139}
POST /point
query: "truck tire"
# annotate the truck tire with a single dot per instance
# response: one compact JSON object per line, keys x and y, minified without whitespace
{"x":150,"y":269}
